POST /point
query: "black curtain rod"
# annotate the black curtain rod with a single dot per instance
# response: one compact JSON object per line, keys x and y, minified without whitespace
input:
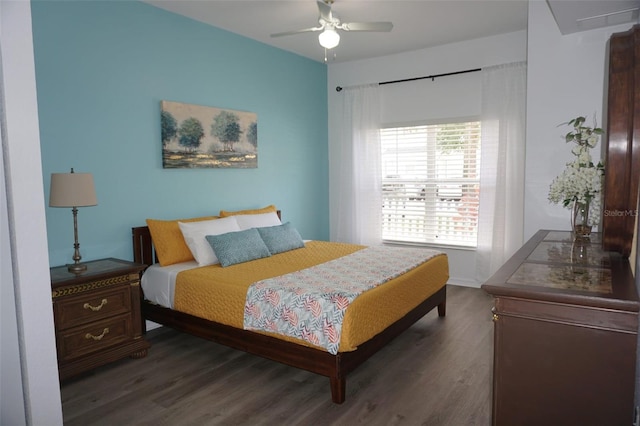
{"x":432,"y":77}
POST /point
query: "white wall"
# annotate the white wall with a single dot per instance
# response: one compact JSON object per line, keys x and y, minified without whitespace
{"x":565,"y":79}
{"x":11,"y":398}
{"x":426,"y":99}
{"x":36,"y":399}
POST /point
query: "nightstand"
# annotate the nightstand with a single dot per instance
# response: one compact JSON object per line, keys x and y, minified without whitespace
{"x":97,"y":315}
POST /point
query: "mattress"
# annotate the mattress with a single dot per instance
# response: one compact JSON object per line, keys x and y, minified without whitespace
{"x":218,"y":294}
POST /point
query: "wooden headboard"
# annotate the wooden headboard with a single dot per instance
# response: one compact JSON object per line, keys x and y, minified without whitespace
{"x":143,"y":250}
{"x":622,"y":164}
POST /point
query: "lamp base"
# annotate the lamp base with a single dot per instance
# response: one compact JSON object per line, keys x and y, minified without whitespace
{"x":76,"y":268}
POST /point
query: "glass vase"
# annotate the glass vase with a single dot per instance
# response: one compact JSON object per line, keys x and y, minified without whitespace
{"x":580,"y":255}
{"x":580,"y":220}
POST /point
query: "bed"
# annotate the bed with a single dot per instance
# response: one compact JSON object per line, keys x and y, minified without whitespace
{"x":356,"y":345}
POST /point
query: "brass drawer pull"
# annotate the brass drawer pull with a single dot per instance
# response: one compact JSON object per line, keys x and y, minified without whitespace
{"x":495,"y":315}
{"x":91,"y":336}
{"x":95,"y":308}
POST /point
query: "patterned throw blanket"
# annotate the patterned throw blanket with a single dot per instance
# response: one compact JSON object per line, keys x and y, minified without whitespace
{"x":310,"y":304}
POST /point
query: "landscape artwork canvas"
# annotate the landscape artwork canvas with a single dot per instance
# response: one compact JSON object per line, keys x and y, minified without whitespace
{"x":195,"y":136}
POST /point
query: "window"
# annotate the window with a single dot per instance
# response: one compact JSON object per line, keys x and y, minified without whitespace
{"x":430,"y":183}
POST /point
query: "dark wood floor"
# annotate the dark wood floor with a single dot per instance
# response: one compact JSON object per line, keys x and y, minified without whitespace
{"x":437,"y":373}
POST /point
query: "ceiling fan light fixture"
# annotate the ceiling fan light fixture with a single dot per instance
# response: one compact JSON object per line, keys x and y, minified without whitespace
{"x":329,"y":38}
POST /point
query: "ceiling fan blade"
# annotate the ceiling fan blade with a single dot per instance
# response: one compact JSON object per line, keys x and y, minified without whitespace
{"x":325,"y":11}
{"x":305,"y":30}
{"x":366,"y":26}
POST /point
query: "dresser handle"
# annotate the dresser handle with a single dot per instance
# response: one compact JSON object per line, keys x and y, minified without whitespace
{"x":91,"y":336}
{"x":95,"y":308}
{"x":495,"y":315}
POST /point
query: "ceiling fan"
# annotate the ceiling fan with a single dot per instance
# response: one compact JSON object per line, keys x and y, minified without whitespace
{"x":329,"y":23}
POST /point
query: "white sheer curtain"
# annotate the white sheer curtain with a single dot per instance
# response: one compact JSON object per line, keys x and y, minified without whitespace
{"x":356,"y":196}
{"x":501,"y":214}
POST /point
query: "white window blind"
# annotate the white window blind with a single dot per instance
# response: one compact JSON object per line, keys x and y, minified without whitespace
{"x":430,"y":183}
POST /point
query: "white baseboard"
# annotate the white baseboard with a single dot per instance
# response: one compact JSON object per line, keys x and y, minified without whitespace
{"x":464,"y":282}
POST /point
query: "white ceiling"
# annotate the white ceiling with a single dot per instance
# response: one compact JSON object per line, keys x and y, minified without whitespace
{"x":418,"y":24}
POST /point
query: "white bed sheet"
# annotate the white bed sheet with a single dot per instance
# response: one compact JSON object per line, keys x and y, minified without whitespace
{"x":159,"y":282}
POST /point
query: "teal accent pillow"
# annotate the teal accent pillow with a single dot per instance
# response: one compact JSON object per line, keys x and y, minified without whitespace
{"x":238,"y":247}
{"x":281,"y":238}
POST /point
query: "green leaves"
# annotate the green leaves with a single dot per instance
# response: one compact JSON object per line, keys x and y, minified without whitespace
{"x":584,"y":136}
{"x":577,"y":122}
{"x":191,"y":133}
{"x":169,"y":126}
{"x":581,"y":181}
{"x":226,"y":128}
{"x":569,"y":137}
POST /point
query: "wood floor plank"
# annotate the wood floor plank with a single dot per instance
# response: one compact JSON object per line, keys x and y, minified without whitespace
{"x":436,"y":373}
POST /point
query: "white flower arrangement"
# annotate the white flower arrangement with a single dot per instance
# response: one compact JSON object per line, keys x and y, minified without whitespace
{"x":581,"y":181}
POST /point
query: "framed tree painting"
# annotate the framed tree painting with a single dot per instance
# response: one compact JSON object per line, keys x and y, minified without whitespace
{"x":195,"y":136}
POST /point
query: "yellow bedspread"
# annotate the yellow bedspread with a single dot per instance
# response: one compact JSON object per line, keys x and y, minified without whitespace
{"x":218,"y":294}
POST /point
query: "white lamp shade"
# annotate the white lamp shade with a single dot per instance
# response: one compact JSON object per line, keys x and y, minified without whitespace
{"x":329,"y":38}
{"x":72,"y":190}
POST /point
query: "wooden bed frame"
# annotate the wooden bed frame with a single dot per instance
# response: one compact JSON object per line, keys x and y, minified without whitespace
{"x":336,"y":367}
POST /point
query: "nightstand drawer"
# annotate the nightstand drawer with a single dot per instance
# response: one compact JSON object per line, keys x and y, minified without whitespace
{"x":87,"y":308}
{"x":87,"y":339}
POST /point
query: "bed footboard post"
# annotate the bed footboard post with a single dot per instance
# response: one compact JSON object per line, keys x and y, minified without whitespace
{"x":338,"y":388}
{"x":442,"y":306}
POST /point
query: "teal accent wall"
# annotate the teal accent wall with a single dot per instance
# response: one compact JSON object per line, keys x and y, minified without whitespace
{"x":102,"y":68}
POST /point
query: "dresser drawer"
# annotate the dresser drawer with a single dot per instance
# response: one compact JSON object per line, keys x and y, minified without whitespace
{"x":87,"y":339}
{"x":94,"y":306}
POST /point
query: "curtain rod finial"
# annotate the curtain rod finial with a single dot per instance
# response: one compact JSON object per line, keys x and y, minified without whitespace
{"x":338,"y":89}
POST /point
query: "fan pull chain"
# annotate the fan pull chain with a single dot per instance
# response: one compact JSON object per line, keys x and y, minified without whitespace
{"x":325,"y":56}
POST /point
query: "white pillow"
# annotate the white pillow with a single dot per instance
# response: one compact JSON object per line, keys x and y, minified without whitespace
{"x":194,"y":234}
{"x":247,"y":221}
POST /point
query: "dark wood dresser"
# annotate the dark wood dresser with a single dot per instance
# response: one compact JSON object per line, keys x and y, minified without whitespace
{"x":97,"y":315}
{"x":565,"y":331}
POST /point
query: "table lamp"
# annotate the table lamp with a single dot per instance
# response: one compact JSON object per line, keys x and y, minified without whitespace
{"x":73,"y":190}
